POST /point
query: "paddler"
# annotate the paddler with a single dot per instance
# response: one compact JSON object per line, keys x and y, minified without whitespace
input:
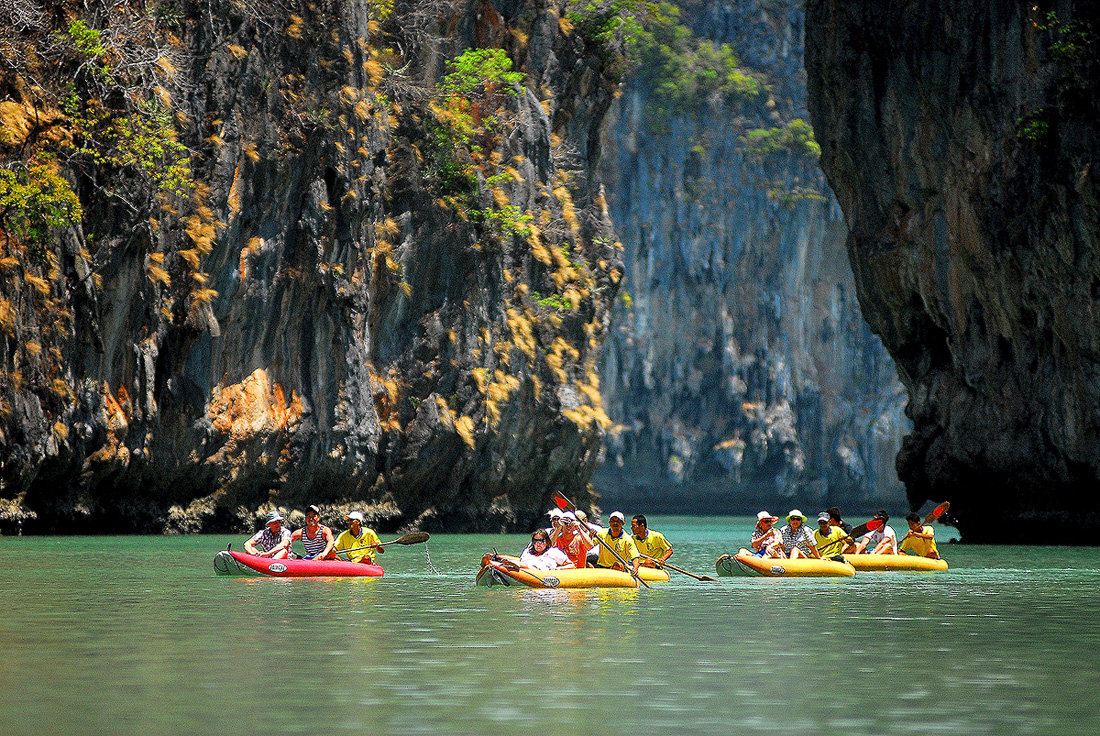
{"x":615,"y":538}
{"x":359,"y":538}
{"x":273,"y":541}
{"x":766,"y":539}
{"x":797,"y":539}
{"x":835,"y":520}
{"x":882,"y":541}
{"x":573,"y":539}
{"x":316,"y":537}
{"x":829,"y":540}
{"x":920,"y":540}
{"x":649,"y":543}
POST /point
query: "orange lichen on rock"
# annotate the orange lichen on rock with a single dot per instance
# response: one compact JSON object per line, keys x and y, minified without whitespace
{"x":116,"y":420}
{"x":252,"y":407}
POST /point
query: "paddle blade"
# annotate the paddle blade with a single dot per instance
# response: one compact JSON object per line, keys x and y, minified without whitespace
{"x":563,"y":503}
{"x":937,"y":512}
{"x":862,"y":529}
{"x":412,"y":538}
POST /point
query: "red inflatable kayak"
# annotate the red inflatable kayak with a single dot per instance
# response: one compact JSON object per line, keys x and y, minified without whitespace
{"x":228,"y":562}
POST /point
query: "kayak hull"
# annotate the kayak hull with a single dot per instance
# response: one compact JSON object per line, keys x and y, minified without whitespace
{"x":496,"y":572}
{"x":746,"y":564}
{"x":240,"y":564}
{"x":895,"y":563}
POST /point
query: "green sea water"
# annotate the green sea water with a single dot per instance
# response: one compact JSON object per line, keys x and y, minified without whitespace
{"x":136,"y":635}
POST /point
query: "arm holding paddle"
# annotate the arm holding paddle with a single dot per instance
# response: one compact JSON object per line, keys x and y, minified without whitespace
{"x":410,"y":538}
{"x":564,"y":503}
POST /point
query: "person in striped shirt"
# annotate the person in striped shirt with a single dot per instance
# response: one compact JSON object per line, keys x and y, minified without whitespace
{"x":316,"y":537}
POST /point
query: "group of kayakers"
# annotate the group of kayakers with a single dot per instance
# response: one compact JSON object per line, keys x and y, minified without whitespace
{"x":572,"y":540}
{"x":834,"y":537}
{"x":358,"y":543}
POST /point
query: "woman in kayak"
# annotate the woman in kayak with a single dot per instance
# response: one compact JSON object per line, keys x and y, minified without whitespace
{"x":766,"y":539}
{"x":273,"y":541}
{"x":798,"y":540}
{"x":540,"y":555}
{"x":316,"y":537}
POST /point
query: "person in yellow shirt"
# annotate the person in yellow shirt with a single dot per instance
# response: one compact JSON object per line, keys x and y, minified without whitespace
{"x":649,"y":543}
{"x":616,"y":538}
{"x":921,"y":540}
{"x":829,"y":539}
{"x":358,"y":536}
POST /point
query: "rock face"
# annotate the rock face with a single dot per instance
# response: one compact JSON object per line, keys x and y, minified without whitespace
{"x":739,"y":371}
{"x":961,"y":142}
{"x":382,"y":292}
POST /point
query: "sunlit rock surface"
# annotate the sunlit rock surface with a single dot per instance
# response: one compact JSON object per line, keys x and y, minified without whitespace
{"x":961,"y":140}
{"x":322,"y":321}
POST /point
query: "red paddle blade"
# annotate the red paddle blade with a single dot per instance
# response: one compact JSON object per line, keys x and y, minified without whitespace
{"x":560,"y":500}
{"x":874,"y":524}
{"x":937,"y":512}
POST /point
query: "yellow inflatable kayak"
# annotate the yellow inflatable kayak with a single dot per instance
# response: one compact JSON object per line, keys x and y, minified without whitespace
{"x":505,"y":570}
{"x":895,"y":563}
{"x":746,"y":563}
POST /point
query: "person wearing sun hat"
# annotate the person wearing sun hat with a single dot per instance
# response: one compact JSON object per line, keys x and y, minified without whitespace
{"x":798,"y":541}
{"x":555,"y":520}
{"x":273,"y":541}
{"x":765,"y":537}
{"x":572,"y":538}
{"x":356,"y":537}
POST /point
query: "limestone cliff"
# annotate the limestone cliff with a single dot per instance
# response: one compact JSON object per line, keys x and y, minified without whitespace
{"x":961,"y":141}
{"x":739,"y":371}
{"x":314,"y":253}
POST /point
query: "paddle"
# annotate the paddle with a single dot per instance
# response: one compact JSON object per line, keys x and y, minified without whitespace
{"x":706,"y":578}
{"x":567,"y":505}
{"x":410,"y":538}
{"x":937,"y":512}
{"x":857,"y":532}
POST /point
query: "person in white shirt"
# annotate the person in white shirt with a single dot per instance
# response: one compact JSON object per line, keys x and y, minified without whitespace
{"x":540,"y":555}
{"x":882,"y":541}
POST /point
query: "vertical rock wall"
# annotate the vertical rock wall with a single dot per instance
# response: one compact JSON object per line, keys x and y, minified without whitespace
{"x":739,"y":370}
{"x":962,"y":144}
{"x":379,"y":294}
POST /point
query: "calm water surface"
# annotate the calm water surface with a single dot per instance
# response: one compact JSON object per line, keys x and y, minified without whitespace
{"x":135,"y":635}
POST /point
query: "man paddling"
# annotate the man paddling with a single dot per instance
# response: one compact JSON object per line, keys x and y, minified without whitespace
{"x":829,"y":539}
{"x":920,"y":540}
{"x":835,"y":520}
{"x":883,"y":541}
{"x":649,"y":543}
{"x":615,"y":538}
{"x":273,"y":541}
{"x":357,"y":537}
